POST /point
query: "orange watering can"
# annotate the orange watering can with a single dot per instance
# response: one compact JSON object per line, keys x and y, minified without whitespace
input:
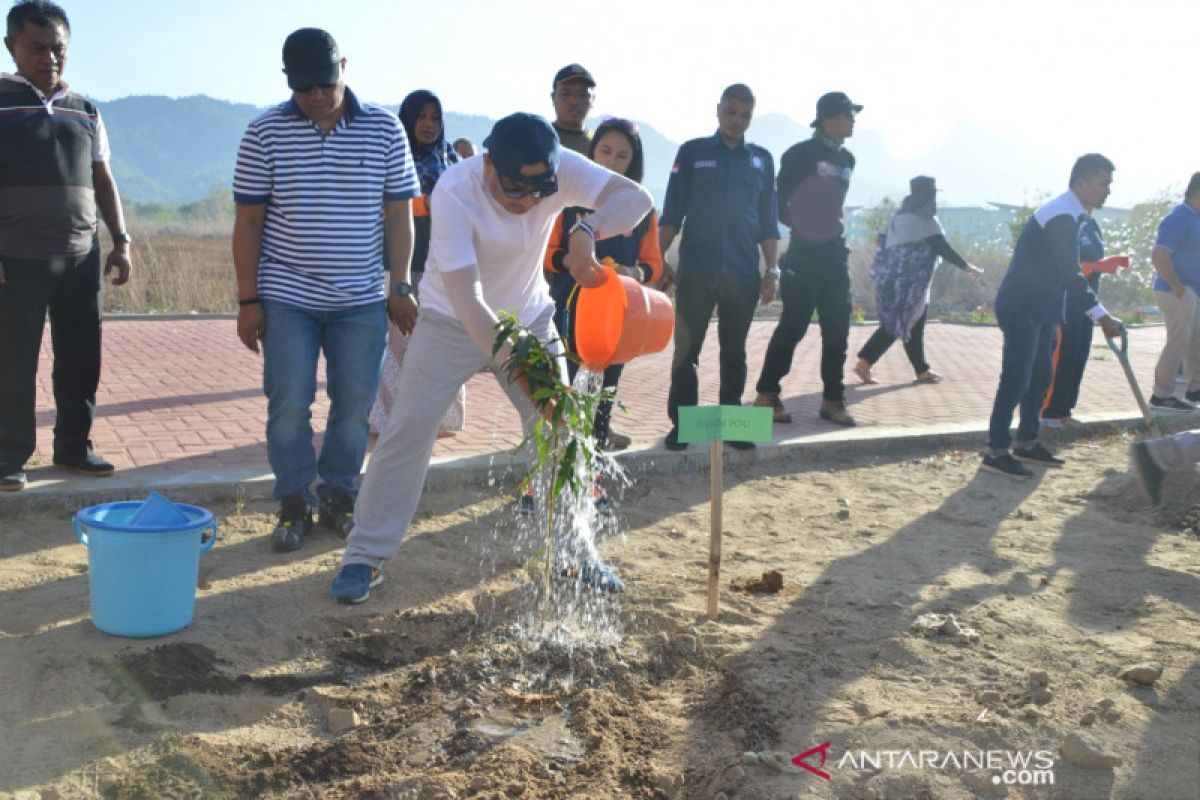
{"x":620,"y":320}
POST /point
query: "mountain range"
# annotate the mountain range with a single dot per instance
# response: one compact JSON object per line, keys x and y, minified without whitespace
{"x":175,"y":150}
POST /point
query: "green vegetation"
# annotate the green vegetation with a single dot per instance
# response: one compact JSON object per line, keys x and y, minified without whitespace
{"x":565,"y":450}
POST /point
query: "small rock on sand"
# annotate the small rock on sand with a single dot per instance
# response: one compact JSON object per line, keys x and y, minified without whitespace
{"x":988,"y":698}
{"x":1143,"y":674}
{"x":1083,"y":753}
{"x":1088,"y":718}
{"x":944,"y":624}
{"x":340,"y":720}
{"x":1037,"y":677}
{"x":1041,"y":695}
{"x":770,"y":583}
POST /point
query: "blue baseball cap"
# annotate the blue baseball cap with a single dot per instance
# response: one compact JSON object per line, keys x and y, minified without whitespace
{"x":520,"y":139}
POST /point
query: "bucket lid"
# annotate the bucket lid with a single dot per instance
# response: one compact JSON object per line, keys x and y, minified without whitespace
{"x":119,"y":516}
{"x":158,"y":510}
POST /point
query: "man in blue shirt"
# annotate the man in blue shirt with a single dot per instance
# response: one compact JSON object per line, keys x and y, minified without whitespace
{"x":722,"y":194}
{"x":1176,"y":259}
{"x":1043,"y":283}
{"x":318,"y":180}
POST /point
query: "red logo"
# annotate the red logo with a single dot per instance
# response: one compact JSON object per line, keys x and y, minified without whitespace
{"x":823,"y":749}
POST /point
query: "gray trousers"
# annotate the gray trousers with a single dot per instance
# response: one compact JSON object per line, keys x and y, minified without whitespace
{"x":1182,"y":318}
{"x":441,"y":357}
{"x":1176,"y":452}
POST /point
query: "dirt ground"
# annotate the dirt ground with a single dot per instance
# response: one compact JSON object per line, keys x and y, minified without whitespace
{"x":439,"y":687}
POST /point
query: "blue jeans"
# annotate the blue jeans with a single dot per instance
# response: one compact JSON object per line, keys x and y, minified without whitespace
{"x":353,"y":340}
{"x":1025,"y":373}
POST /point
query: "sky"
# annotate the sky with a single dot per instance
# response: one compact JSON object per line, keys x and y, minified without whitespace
{"x":1058,"y":77}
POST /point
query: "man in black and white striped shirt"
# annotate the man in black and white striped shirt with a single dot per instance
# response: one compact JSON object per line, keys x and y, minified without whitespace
{"x":319,"y":179}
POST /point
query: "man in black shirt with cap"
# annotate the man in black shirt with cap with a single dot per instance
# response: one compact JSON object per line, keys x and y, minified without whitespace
{"x":572,"y":96}
{"x":814,"y":177}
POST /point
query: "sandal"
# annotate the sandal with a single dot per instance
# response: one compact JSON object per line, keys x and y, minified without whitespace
{"x":863,"y":370}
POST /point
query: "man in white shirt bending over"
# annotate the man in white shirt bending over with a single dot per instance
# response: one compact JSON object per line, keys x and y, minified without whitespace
{"x":490,"y":230}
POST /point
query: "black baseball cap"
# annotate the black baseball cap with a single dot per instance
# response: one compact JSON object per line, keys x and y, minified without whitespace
{"x":311,"y":56}
{"x":521,"y":139}
{"x":573,"y":72}
{"x":833,"y":103}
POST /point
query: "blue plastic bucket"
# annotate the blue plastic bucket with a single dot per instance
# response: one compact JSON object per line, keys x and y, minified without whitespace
{"x":142,"y":577}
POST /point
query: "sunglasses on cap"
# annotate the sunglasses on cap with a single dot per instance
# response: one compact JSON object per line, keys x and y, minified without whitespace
{"x":538,"y":186}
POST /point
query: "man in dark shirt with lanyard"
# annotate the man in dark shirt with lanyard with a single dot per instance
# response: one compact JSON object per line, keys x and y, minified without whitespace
{"x":724,"y":188}
{"x":814,"y":177}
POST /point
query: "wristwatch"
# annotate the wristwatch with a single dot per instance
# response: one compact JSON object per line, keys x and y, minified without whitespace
{"x":774,"y":271}
{"x":122,"y":238}
{"x":403,"y":289}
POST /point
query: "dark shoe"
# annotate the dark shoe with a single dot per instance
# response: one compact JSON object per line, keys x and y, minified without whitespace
{"x":1172,"y":405}
{"x":617,"y":441}
{"x":354,"y":583}
{"x":604,"y":505}
{"x":525,"y":506}
{"x":1038,"y":454}
{"x":596,"y":575}
{"x":742,"y":445}
{"x":672,"y":441}
{"x":337,"y":514}
{"x":295,"y":522}
{"x":837,"y":414}
{"x":13,"y":482}
{"x":1192,"y":397}
{"x":1005,"y":464}
{"x":601,"y":502}
{"x":91,"y":465}
{"x":771,"y":400}
{"x":1150,"y":475}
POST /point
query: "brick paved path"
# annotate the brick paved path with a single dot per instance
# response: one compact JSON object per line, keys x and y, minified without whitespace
{"x":184,"y":395}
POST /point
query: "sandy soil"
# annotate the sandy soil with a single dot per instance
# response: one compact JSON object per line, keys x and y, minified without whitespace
{"x":1070,"y":575}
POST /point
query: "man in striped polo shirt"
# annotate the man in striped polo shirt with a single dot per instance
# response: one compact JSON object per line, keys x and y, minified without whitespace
{"x":318,"y":180}
{"x":54,"y":177}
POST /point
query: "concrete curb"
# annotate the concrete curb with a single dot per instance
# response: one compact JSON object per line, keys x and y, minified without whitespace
{"x":504,"y":469}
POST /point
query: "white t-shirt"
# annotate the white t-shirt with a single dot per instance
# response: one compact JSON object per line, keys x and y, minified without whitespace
{"x":470,"y":227}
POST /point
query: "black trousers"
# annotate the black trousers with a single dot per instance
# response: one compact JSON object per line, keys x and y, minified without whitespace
{"x":914,"y":348}
{"x":69,"y":288}
{"x":602,"y":424}
{"x":815,"y":278}
{"x":734,"y":296}
{"x":1071,"y":358}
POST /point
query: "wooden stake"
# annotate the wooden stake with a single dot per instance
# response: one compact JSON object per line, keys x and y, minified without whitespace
{"x":715,"y":489}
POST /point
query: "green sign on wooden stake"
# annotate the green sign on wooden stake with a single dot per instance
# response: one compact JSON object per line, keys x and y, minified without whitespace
{"x":724,"y":424}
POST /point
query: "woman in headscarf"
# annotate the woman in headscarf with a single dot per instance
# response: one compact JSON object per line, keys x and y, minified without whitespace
{"x":903,"y":272}
{"x":421,"y":115}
